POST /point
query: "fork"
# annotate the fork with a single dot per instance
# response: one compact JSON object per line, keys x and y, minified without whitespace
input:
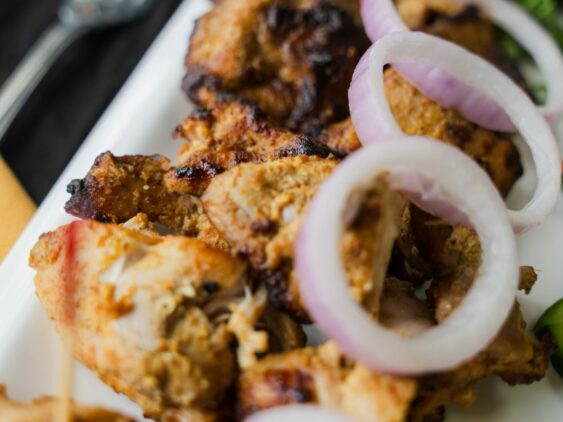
{"x":75,"y":17}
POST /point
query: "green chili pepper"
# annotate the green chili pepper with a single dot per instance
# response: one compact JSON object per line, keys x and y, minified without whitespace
{"x":551,"y":322}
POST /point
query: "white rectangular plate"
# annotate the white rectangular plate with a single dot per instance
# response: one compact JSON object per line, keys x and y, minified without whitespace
{"x":139,"y":121}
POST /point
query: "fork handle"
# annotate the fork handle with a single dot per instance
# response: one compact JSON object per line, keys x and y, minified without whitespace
{"x":27,"y":75}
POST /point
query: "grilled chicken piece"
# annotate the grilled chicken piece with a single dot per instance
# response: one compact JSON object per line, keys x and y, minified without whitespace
{"x":402,"y":311}
{"x":451,"y":256}
{"x":418,"y":115}
{"x":227,"y":133}
{"x":116,"y":189}
{"x":149,"y":315}
{"x":323,"y":375}
{"x":292,"y":58}
{"x":217,"y":139}
{"x":514,"y":355}
{"x":49,"y":410}
{"x":242,"y":64}
{"x":258,"y":208}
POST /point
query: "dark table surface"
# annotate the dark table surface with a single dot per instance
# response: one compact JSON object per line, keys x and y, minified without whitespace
{"x":75,"y":92}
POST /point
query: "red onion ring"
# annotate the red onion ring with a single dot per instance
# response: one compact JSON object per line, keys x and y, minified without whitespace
{"x":374,"y":121}
{"x":457,"y":181}
{"x":380,"y":18}
{"x":299,"y":413}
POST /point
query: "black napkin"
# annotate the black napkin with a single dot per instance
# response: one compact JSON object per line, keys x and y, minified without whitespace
{"x":75,"y":92}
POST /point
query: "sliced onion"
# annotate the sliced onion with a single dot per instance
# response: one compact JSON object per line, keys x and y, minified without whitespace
{"x":457,"y":181}
{"x":374,"y":121}
{"x":299,"y":413}
{"x":380,"y":18}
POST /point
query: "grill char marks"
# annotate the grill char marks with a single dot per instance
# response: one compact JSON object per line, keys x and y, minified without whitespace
{"x":283,"y":292}
{"x":116,"y":189}
{"x":228,"y":133}
{"x":294,"y":59}
{"x":418,"y":115}
{"x":194,"y":178}
{"x":321,"y":39}
{"x":218,"y":138}
{"x":287,"y":387}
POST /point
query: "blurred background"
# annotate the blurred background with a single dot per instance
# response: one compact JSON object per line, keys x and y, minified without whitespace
{"x":74,"y":93}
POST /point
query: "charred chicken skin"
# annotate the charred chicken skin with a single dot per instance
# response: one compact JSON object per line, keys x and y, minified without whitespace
{"x":116,"y":189}
{"x":230,"y":132}
{"x":292,"y":58}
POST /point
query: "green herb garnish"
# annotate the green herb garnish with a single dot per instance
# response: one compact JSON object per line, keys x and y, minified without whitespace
{"x":549,"y":14}
{"x":546,"y":12}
